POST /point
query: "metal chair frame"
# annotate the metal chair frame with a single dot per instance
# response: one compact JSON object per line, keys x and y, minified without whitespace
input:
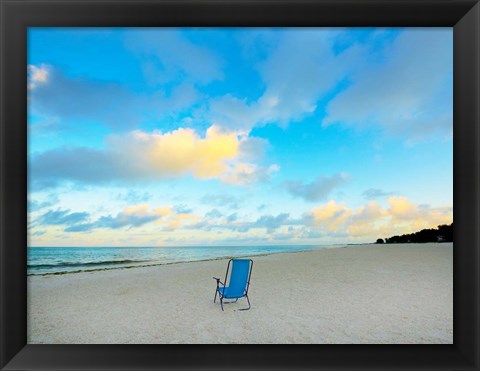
{"x":221,"y":296}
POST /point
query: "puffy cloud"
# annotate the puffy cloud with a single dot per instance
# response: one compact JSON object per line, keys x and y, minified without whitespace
{"x":299,"y":70}
{"x":132,"y":216}
{"x":233,"y":223}
{"x":401,"y":208}
{"x":270,"y":222}
{"x":61,"y":217}
{"x":330,"y":220}
{"x":177,"y":221}
{"x":213,"y":214}
{"x":369,"y":220}
{"x":176,"y":152}
{"x":317,"y":190}
{"x":237,"y":114}
{"x":180,"y":97}
{"x":61,"y":99}
{"x":140,"y":156}
{"x":372,"y":220}
{"x":144,"y":210}
{"x":330,"y":216}
{"x":407,"y":214}
{"x":402,"y":84}
{"x":253,"y":149}
{"x":169,"y":59}
{"x":162,"y":218}
{"x":65,"y":97}
{"x":245,"y":173}
{"x":409,"y":93}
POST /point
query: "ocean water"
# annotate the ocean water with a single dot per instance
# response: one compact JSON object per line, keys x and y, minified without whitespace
{"x":48,"y":260}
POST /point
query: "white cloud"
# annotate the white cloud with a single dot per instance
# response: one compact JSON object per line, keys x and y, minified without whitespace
{"x":317,"y":190}
{"x":62,"y":100}
{"x":245,"y":174}
{"x":373,"y":220}
{"x":403,"y":86}
{"x":299,"y":71}
{"x":140,"y":156}
{"x":408,"y":94}
{"x":37,"y":75}
{"x":182,"y":96}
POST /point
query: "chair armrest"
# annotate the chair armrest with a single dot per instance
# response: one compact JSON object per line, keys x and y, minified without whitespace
{"x":218,"y":281}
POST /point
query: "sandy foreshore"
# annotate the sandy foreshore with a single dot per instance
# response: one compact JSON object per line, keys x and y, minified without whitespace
{"x":399,"y":294}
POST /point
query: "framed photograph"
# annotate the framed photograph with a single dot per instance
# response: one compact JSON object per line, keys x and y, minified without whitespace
{"x":310,"y":157}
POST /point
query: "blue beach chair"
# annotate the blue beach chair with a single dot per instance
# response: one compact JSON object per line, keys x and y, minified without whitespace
{"x":238,"y":284}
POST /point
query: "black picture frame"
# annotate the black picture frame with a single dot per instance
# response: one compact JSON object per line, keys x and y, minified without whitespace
{"x":18,"y":15}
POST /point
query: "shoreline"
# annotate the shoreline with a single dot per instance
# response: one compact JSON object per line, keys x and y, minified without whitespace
{"x":181,"y":262}
{"x":340,"y":246}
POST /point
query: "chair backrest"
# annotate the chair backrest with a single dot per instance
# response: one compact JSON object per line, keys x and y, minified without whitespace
{"x":239,"y":277}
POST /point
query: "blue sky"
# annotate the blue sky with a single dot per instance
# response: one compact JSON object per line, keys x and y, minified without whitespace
{"x":230,"y":136}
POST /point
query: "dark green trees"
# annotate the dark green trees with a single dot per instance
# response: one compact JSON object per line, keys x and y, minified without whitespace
{"x":444,"y":233}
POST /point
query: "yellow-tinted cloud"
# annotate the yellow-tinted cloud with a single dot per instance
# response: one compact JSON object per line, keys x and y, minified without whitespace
{"x":331,"y":216}
{"x":140,"y":156}
{"x":177,"y":152}
{"x":408,"y":215}
{"x":180,"y":220}
{"x":144,"y":210}
{"x":400,"y":207}
{"x":217,"y":155}
{"x":402,"y":216}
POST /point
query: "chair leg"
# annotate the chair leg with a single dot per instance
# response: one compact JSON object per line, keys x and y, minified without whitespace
{"x":248,"y":304}
{"x":221,"y":302}
{"x":215,"y":298}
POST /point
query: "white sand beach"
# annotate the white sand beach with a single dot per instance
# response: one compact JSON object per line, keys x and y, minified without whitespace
{"x":376,"y":294}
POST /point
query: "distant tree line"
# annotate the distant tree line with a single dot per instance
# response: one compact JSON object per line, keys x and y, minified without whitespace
{"x":444,"y":233}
